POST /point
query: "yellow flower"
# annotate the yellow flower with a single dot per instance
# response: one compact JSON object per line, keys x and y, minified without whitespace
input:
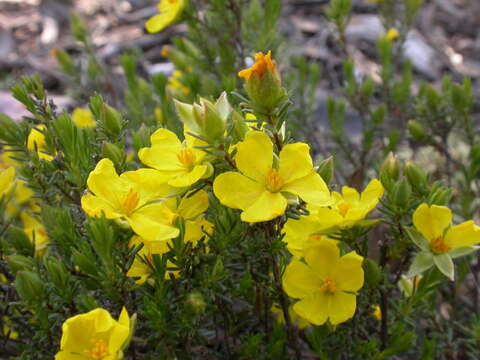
{"x":377,"y":313}
{"x":190,"y":209}
{"x":83,"y":118}
{"x":300,"y":322}
{"x":435,"y":224}
{"x":134,"y":196}
{"x":181,"y":163}
{"x":35,"y":231}
{"x":36,"y":140}
{"x":140,"y":268}
{"x":324,"y":283}
{"x":263,"y":64}
{"x":94,"y":335}
{"x":169,"y":11}
{"x":350,"y":206}
{"x":175,"y":85}
{"x":7,"y":179}
{"x":259,"y":188}
{"x":6,"y":329}
{"x":392,"y":34}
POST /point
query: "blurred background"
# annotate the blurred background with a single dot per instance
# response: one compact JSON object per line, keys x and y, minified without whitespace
{"x":445,"y":40}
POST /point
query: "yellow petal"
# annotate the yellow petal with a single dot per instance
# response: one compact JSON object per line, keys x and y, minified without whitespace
{"x":94,"y":206}
{"x":152,"y":222}
{"x":349,"y":275}
{"x":104,"y":182}
{"x":372,"y":192}
{"x":192,"y":206}
{"x":195,"y":230}
{"x":310,"y":188}
{"x":83,"y":118}
{"x":295,"y":162}
{"x":314,"y":308}
{"x":169,"y":11}
{"x":7,"y":177}
{"x":151,"y":184}
{"x":189,"y":177}
{"x":267,"y":207}
{"x":254,"y":156}
{"x":323,"y":258}
{"x":236,"y":191}
{"x":462,"y":235}
{"x":299,"y":280}
{"x":328,"y":217}
{"x":297,"y":233}
{"x":432,"y":221}
{"x":341,"y":307}
{"x":162,"y":155}
{"x":350,"y":195}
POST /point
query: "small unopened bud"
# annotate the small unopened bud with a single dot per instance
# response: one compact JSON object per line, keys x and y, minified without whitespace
{"x":29,"y":286}
{"x":57,"y":271}
{"x":402,"y":192}
{"x":196,"y":303}
{"x":114,"y":153}
{"x":64,"y":60}
{"x":390,"y":167}
{"x":416,"y":176}
{"x":111,"y":120}
{"x":326,"y":170}
{"x":19,"y":262}
{"x":373,"y":274}
{"x":416,"y":130}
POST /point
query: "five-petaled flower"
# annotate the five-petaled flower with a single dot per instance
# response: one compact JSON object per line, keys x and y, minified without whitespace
{"x":135,"y":196}
{"x":169,"y":11}
{"x":435,"y":224}
{"x":182,"y":163}
{"x":325,"y":283}
{"x":261,"y":189}
{"x":94,"y":335}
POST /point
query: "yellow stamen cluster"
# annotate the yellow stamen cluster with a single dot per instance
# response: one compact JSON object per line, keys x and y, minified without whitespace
{"x":99,"y":350}
{"x":343,"y":208}
{"x":329,"y":286}
{"x":274,"y":181}
{"x":130,"y":202}
{"x":186,"y":157}
{"x":439,"y":246}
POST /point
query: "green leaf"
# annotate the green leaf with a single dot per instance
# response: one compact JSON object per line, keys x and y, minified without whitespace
{"x":418,"y":239}
{"x":444,"y":263}
{"x":423,"y":261}
{"x":462,"y":251}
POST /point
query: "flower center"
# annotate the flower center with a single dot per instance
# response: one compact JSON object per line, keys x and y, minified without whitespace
{"x":186,"y":157}
{"x":438,"y":246}
{"x":131,"y":202}
{"x":98,"y":351}
{"x":329,"y":285}
{"x":343,"y":208}
{"x":273,"y":181}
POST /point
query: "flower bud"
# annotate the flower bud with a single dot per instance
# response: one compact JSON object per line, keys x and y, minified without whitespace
{"x":390,"y":167}
{"x":205,"y":118}
{"x":64,"y":60}
{"x":196,"y":303}
{"x":402,"y":192}
{"x":29,"y":286}
{"x":19,"y":262}
{"x":79,"y":29}
{"x":416,"y":176}
{"x":373,"y":274}
{"x":326,"y":169}
{"x":114,"y":153}
{"x":111,"y":120}
{"x":263,"y":83}
{"x":57,"y":271}
{"x":416,"y":130}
